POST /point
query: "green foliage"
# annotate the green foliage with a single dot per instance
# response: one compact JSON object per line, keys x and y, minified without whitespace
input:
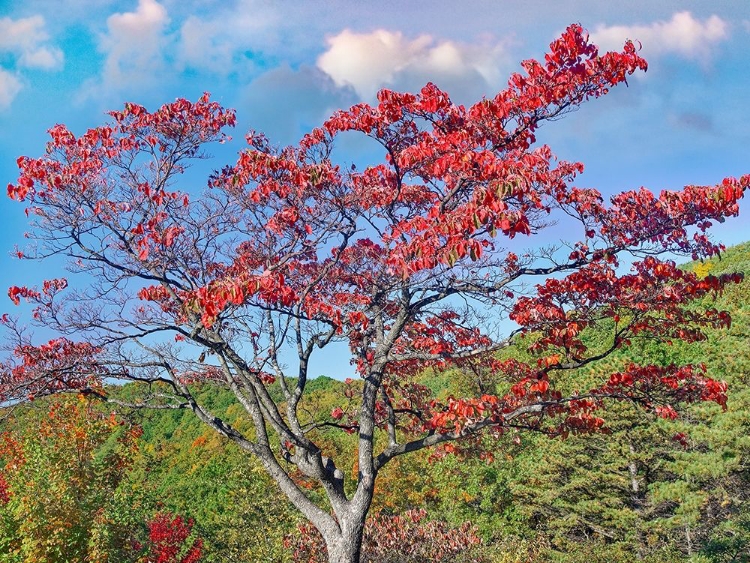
{"x":239,"y":512}
{"x":582,"y":488}
{"x":635,"y":493}
{"x":69,"y":497}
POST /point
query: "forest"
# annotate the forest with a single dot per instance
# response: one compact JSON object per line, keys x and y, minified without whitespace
{"x":82,"y":482}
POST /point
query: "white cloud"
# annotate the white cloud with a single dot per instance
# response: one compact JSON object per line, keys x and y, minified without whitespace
{"x":10,"y":85}
{"x":25,"y":38}
{"x":213,"y":42}
{"x":683,"y":35}
{"x":133,"y":46}
{"x":203,"y":45}
{"x":370,"y":61}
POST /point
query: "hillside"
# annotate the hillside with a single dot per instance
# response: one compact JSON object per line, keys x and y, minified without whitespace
{"x":580,"y":490}
{"x":635,"y":491}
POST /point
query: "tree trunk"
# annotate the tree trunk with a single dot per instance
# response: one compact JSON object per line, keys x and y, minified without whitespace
{"x":342,"y":552}
{"x":346,"y":547}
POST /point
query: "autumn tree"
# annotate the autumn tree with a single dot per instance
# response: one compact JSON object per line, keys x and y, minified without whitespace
{"x":67,"y":492}
{"x":413,"y":263}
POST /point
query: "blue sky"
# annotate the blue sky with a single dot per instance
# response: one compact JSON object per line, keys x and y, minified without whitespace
{"x":286,"y":65}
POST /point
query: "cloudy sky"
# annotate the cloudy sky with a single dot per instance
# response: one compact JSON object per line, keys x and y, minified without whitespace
{"x":286,"y":65}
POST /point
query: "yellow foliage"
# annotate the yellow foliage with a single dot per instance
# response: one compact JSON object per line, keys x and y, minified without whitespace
{"x":702,"y":269}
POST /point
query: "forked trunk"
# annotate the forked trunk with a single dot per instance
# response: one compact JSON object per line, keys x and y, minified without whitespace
{"x":345,"y":547}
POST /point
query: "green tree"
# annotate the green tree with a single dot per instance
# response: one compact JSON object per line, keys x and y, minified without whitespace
{"x":67,"y":495}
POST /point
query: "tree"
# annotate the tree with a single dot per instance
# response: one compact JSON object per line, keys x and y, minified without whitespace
{"x":287,"y":254}
{"x":66,"y":492}
{"x":169,"y":541}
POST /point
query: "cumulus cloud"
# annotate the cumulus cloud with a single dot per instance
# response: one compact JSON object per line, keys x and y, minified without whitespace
{"x":213,"y":42}
{"x":133,"y":46}
{"x":25,"y":44}
{"x":370,"y":61}
{"x":26,"y":39}
{"x":683,"y":35}
{"x":203,"y":45}
{"x":10,"y":85}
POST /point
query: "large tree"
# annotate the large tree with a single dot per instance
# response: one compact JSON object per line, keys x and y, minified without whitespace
{"x":410,"y":263}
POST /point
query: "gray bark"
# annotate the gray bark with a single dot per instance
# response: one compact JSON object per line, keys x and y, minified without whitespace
{"x":346,"y":545}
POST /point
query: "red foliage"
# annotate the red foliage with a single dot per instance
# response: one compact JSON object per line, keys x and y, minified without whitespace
{"x":393,"y":538}
{"x":404,"y":261}
{"x":169,"y":540}
{"x":58,"y":365}
{"x":455,"y":180}
{"x":5,"y":492}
